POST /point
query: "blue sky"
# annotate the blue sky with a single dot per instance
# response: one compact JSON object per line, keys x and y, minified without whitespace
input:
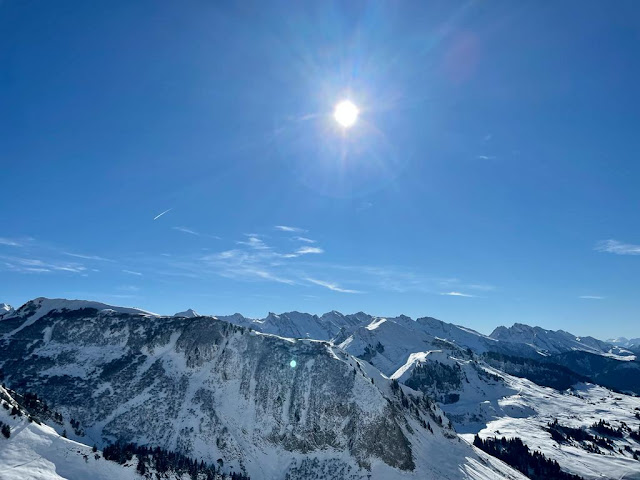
{"x":492,"y":176}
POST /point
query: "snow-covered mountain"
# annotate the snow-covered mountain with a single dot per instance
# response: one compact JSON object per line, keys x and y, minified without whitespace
{"x":272,"y":407}
{"x":361,"y":333}
{"x":5,"y":310}
{"x":631,"y":344}
{"x":624,"y":342}
{"x":549,"y":342}
{"x":386,"y":342}
{"x":302,"y":325}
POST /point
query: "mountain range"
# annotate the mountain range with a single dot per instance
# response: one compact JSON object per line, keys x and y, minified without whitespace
{"x":296,"y":395}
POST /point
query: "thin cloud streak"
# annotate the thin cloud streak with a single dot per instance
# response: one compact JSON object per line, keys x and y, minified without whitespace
{"x":457,"y":294}
{"x":331,"y":286}
{"x":285,"y":228}
{"x":619,"y":248}
{"x":269,"y":276}
{"x":194,"y":232}
{"x":161,"y":214}
{"x":131,"y":272}
{"x":186,"y":230}
{"x":304,"y":239}
{"x":591,"y":297}
{"x":33,"y":265}
{"x":9,"y":243}
{"x":89,"y":257}
{"x":308,"y":250}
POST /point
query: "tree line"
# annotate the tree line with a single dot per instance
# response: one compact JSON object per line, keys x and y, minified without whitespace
{"x":515,"y":453}
{"x":163,"y":461}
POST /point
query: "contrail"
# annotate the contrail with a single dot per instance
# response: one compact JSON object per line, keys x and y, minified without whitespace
{"x":157,"y":217}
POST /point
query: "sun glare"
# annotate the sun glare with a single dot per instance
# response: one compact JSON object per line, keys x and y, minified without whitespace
{"x":346,"y":113}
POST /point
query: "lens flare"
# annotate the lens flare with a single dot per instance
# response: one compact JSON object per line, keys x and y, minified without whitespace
{"x":293,"y":364}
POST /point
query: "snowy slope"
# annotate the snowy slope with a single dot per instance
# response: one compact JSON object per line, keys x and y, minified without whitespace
{"x":452,"y":377}
{"x":37,"y":452}
{"x":478,"y":398}
{"x":526,"y":411}
{"x":267,"y":405}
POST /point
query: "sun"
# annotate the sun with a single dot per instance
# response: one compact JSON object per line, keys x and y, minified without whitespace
{"x":346,"y":113}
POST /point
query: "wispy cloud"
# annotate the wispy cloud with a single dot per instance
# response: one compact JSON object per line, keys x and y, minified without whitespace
{"x":186,"y":230}
{"x":331,"y":286}
{"x":131,"y":272}
{"x":259,"y":257}
{"x":486,"y":157}
{"x":25,"y":269}
{"x":34,"y":265}
{"x":456,"y":285}
{"x":285,"y":228}
{"x":619,"y":248}
{"x":9,"y":242}
{"x":269,"y":276}
{"x":129,"y":288}
{"x":245,"y":264}
{"x":193,"y":232}
{"x":88,"y":257}
{"x":591,"y":297}
{"x":304,"y":239}
{"x":480,"y":287}
{"x":254,"y":241}
{"x":308,"y":250}
{"x":161,"y":214}
{"x":253,"y":259}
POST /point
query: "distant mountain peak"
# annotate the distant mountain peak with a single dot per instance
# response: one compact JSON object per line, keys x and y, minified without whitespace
{"x":189,"y":313}
{"x":6,"y":310}
{"x":555,"y":341}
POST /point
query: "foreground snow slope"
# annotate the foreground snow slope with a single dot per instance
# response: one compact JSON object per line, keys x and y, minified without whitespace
{"x":37,"y":452}
{"x":267,"y":405}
